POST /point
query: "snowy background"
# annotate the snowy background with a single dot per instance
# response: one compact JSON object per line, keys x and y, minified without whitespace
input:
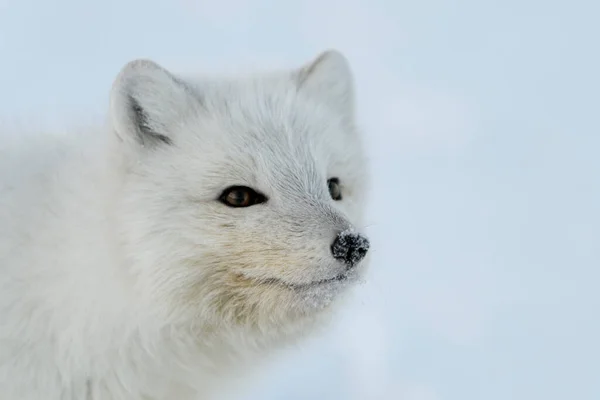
{"x":483,"y":120}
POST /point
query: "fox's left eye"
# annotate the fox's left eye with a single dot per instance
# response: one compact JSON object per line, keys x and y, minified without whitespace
{"x":241,"y":196}
{"x":334,"y":188}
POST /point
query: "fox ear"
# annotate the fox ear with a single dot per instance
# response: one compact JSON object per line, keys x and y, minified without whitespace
{"x":329,"y":79}
{"x":147,"y":103}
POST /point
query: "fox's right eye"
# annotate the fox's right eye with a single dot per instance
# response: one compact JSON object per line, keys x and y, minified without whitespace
{"x":241,"y":196}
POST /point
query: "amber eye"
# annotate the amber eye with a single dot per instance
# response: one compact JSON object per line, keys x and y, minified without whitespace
{"x":241,"y":196}
{"x":334,"y":188}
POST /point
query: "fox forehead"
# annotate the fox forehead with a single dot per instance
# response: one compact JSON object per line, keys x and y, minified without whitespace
{"x":268,"y":113}
{"x":262,"y":129}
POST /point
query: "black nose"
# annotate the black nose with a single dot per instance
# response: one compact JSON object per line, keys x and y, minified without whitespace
{"x":350,"y":247}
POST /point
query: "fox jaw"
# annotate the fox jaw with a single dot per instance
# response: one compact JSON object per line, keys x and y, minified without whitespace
{"x":242,"y":199}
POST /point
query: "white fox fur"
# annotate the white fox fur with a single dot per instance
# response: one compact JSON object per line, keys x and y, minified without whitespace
{"x":122,"y":276}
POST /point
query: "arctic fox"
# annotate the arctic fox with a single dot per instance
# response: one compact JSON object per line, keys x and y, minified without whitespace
{"x":211,"y":221}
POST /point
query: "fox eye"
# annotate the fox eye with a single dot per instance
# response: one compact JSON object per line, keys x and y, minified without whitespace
{"x":334,"y":188}
{"x":241,"y":196}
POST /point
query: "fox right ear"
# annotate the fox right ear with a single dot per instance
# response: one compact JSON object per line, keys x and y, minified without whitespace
{"x":329,"y":78}
{"x":147,"y":103}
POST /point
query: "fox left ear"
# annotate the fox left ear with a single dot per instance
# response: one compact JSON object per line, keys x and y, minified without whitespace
{"x":329,"y":79}
{"x":148,"y":104}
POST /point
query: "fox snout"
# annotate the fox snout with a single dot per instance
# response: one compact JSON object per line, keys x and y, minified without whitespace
{"x":350,"y":248}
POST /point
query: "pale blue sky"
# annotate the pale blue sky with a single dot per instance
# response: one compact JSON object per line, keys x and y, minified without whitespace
{"x":483,"y":120}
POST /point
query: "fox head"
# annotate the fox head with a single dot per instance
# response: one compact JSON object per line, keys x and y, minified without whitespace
{"x":242,"y":199}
